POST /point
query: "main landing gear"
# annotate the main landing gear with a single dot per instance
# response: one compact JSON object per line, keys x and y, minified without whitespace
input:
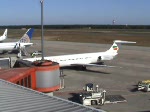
{"x":83,"y":68}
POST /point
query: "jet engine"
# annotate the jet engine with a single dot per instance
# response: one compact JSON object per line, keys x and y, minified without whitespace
{"x":99,"y":59}
{"x":105,"y":57}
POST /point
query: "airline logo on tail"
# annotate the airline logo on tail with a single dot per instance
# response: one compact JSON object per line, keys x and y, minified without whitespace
{"x":27,"y":36}
{"x":116,"y":48}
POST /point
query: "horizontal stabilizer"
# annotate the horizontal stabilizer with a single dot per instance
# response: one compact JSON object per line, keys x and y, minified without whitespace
{"x":124,"y":42}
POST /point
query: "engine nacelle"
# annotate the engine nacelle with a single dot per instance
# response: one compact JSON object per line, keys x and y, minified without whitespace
{"x":16,"y":46}
{"x":107,"y":57}
{"x":19,"y":46}
{"x":99,"y":58}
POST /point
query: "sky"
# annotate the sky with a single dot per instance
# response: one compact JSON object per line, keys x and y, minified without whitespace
{"x":66,"y":12}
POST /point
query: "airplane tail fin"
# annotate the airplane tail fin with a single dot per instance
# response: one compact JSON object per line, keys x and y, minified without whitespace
{"x":27,"y":36}
{"x":115,"y":47}
{"x":5,"y":33}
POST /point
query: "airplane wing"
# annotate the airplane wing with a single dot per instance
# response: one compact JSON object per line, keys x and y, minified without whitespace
{"x":26,"y":44}
{"x":94,"y":65}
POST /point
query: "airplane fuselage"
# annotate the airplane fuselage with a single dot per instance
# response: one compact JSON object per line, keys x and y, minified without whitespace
{"x":85,"y":58}
{"x":12,"y":46}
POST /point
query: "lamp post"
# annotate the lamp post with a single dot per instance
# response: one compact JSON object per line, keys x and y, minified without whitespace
{"x":42,"y":39}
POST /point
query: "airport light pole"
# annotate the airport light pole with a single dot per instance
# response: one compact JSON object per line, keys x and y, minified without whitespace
{"x":42,"y":38}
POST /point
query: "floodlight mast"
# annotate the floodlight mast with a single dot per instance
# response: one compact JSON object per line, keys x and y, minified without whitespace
{"x":42,"y":38}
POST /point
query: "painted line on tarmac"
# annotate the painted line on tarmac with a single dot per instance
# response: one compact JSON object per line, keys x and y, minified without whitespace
{"x":135,"y":94}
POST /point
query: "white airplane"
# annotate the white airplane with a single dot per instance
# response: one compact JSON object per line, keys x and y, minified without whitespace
{"x":85,"y":59}
{"x":4,"y":36}
{"x":20,"y":45}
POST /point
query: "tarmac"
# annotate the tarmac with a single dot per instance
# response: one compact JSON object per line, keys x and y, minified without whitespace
{"x":132,"y":65}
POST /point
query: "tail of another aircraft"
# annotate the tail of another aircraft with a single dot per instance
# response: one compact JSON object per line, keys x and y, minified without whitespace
{"x":114,"y":48}
{"x":27,"y":36}
{"x":5,"y":33}
{"x":4,"y":36}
